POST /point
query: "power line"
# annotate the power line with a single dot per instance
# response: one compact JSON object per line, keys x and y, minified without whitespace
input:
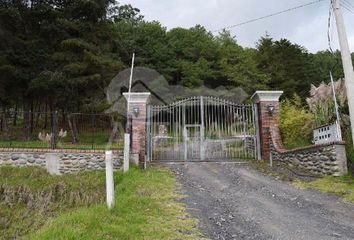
{"x":347,"y":8}
{"x":269,"y":15}
{"x":348,"y":3}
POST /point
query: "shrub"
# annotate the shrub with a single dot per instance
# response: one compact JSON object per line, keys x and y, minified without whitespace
{"x":349,"y":147}
{"x":296,"y":123}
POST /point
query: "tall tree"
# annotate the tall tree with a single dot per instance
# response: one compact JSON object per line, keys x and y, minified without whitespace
{"x":238,"y":65}
{"x":288,"y":65}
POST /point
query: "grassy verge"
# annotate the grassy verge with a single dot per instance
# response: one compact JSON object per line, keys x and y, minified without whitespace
{"x":343,"y":186}
{"x":30,"y":196}
{"x":146,"y":207}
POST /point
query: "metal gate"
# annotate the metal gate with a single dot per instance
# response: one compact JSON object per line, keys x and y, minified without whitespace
{"x":202,"y":129}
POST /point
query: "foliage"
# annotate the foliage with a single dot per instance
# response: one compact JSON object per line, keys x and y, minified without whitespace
{"x":239,"y":65}
{"x":295,"y":123}
{"x":321,"y":103}
{"x":324,"y":113}
{"x":326,"y":61}
{"x":343,"y":186}
{"x":61,"y":55}
{"x":349,"y":148}
{"x":288,"y":66}
{"x":146,"y":207}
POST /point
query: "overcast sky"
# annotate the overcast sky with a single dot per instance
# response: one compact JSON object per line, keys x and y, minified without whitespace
{"x":305,"y":26}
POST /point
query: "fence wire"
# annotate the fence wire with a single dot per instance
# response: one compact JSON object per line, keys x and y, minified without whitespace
{"x":25,"y":129}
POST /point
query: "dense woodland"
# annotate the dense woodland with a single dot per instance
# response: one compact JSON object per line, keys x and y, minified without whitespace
{"x":62,"y":54}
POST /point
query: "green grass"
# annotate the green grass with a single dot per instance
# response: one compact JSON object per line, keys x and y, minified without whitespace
{"x":29,"y":197}
{"x":343,"y":186}
{"x":298,"y":143}
{"x":146,"y":207}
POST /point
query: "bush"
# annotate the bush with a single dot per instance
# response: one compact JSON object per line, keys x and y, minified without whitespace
{"x":350,"y":150}
{"x":296,"y":123}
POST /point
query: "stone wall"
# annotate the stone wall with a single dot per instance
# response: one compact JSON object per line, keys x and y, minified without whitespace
{"x":59,"y":161}
{"x":323,"y":160}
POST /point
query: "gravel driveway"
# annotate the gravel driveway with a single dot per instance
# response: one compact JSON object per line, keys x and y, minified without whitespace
{"x":233,"y":201}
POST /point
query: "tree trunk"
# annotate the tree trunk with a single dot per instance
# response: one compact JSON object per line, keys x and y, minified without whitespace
{"x":45,"y":115}
{"x":27,"y":124}
{"x":31,"y":118}
{"x":38,"y":114}
{"x":63,"y":120}
{"x":73,"y":130}
{"x":14,"y":122}
{"x":115,"y":130}
{"x":1,"y":122}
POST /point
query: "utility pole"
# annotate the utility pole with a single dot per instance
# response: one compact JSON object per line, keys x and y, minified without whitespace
{"x":346,"y":60}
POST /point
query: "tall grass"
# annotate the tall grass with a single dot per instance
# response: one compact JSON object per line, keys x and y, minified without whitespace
{"x":35,"y":205}
{"x":146,"y":207}
{"x":30,"y":196}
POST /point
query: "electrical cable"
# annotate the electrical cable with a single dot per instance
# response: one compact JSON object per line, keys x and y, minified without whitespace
{"x":348,"y":3}
{"x":268,"y":16}
{"x":346,"y":8}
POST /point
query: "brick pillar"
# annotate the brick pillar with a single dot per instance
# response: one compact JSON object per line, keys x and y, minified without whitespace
{"x":138,"y":111}
{"x":268,"y":111}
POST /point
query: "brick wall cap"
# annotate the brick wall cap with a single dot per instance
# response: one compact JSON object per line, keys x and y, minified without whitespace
{"x":266,"y":96}
{"x":137,"y":97}
{"x":300,"y":149}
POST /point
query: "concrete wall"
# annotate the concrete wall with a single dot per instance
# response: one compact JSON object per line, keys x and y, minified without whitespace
{"x":59,"y":161}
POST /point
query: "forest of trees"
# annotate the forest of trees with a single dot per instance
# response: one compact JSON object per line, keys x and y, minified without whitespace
{"x":62,"y":54}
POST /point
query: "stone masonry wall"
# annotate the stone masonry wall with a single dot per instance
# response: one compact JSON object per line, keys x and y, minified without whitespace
{"x":69,"y":161}
{"x":323,"y":160}
{"x":319,"y":160}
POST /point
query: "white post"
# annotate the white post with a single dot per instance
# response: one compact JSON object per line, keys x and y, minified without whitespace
{"x":346,"y":60}
{"x":126,"y":152}
{"x":109,"y":179}
{"x":130,"y":81}
{"x":339,"y":130}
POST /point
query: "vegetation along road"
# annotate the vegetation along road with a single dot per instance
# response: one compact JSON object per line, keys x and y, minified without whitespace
{"x":233,"y":201}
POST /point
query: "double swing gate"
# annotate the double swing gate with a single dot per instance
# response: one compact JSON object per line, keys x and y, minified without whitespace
{"x":201,"y":129}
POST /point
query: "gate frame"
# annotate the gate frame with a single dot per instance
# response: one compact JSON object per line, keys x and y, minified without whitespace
{"x":149,"y":137}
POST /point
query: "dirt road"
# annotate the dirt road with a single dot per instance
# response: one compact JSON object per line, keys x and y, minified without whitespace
{"x":233,"y":201}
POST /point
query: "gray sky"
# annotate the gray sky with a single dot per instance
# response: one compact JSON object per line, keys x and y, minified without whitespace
{"x":306,"y":26}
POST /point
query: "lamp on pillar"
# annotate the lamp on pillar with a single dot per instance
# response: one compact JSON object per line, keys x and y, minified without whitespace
{"x":271,"y":109}
{"x":136,"y":111}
